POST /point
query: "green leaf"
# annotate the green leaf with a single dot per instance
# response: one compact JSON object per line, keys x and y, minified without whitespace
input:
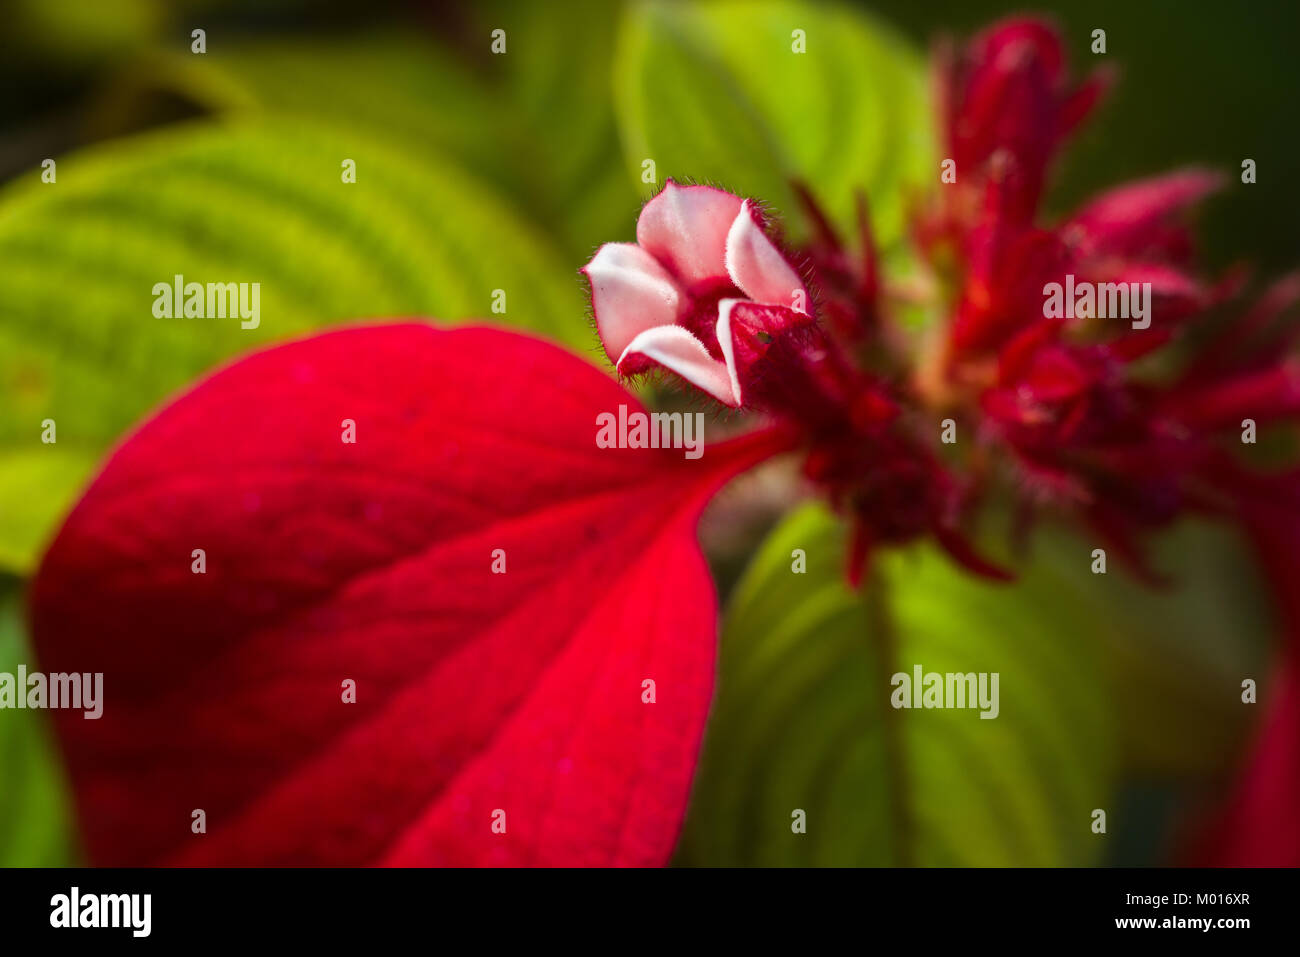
{"x":400,"y":85}
{"x":35,"y":815}
{"x":715,"y":92}
{"x":33,"y":481}
{"x":60,"y":34}
{"x":257,"y":201}
{"x":803,"y":718}
{"x":537,"y":122}
{"x":1175,"y":657}
{"x":565,"y":102}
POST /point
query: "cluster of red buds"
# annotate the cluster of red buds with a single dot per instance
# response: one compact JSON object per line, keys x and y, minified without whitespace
{"x":1123,"y":425}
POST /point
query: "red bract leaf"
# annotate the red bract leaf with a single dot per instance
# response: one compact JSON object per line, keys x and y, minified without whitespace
{"x":328,"y":561}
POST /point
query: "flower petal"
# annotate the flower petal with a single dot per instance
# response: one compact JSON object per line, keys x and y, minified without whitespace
{"x":630,"y":293}
{"x":780,"y":361}
{"x":1128,"y":220}
{"x":757,"y":266}
{"x":1008,"y":103}
{"x":674,"y":348}
{"x":685,"y":228}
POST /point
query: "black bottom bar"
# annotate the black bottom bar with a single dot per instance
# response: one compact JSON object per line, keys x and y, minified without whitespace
{"x":332,"y":907}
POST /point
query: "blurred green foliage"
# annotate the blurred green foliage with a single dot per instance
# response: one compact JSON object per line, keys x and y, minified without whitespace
{"x":713,"y":92}
{"x":1098,"y":678}
{"x":803,"y":718}
{"x":35,"y":826}
{"x":477,"y":172}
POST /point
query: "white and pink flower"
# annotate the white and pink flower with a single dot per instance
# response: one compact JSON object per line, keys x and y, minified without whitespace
{"x":700,"y":263}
